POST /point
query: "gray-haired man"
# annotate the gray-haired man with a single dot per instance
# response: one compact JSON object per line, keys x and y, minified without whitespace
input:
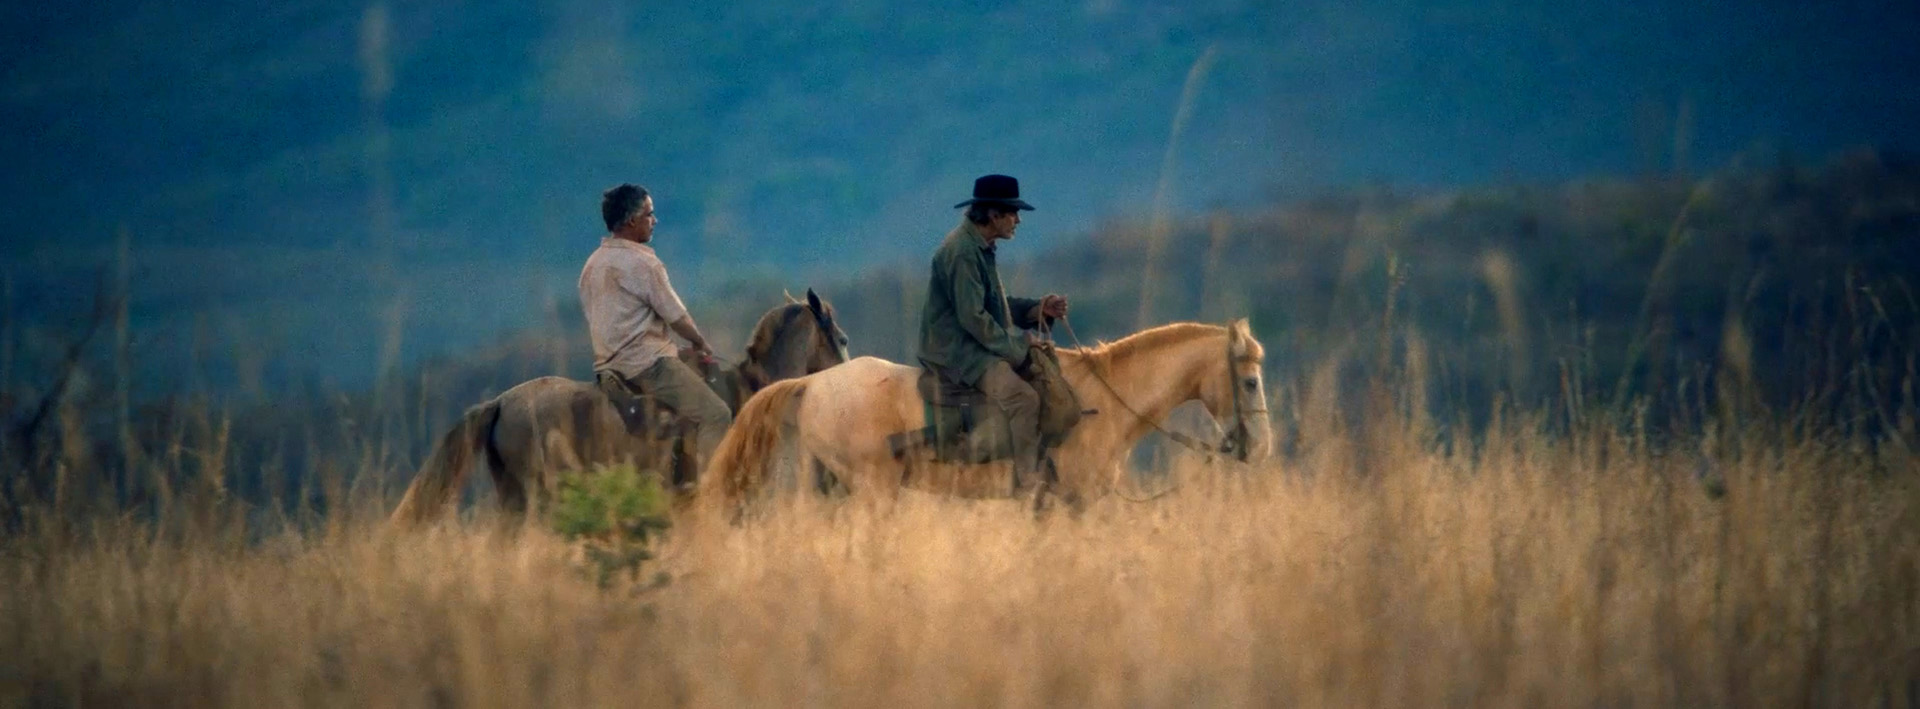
{"x":631,"y":307}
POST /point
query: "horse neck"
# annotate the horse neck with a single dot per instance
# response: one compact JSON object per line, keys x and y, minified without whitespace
{"x":786,"y":358}
{"x":1147,"y":382}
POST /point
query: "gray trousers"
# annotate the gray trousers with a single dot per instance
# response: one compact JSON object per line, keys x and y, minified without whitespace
{"x":1022,"y":405}
{"x":676,"y":386}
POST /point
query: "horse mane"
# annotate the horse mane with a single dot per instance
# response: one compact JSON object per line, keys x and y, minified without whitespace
{"x":1147,"y":340}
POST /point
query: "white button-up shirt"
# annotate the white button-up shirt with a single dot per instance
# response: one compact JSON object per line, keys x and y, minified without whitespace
{"x":628,"y":303}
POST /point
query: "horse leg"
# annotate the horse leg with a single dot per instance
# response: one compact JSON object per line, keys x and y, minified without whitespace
{"x":825,"y":482}
{"x":877,"y":483}
{"x":512,"y":491}
{"x":507,"y":456}
{"x":686,"y":470}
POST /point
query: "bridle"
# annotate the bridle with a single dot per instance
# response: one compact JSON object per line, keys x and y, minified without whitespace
{"x":1237,"y":441}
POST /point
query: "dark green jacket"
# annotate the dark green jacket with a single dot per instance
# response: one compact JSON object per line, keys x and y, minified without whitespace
{"x":964,"y":327}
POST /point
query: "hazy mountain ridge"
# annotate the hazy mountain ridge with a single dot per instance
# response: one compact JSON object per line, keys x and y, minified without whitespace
{"x":816,"y":141}
{"x":1787,"y":255}
{"x":1751,"y":291}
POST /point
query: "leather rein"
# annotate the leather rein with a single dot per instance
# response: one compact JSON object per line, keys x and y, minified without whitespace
{"x":1236,"y":443}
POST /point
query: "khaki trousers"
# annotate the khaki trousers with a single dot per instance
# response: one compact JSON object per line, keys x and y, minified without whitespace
{"x":1022,"y":405}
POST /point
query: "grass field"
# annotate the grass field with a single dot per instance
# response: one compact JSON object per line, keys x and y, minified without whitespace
{"x":1370,"y":569}
{"x":1709,"y":496}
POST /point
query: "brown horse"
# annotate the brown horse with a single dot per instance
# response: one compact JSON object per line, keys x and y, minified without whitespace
{"x":543,"y":426}
{"x":781,"y":348}
{"x":841,"y":418}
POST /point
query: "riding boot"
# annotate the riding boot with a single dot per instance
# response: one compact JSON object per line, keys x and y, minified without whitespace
{"x":1034,"y":475}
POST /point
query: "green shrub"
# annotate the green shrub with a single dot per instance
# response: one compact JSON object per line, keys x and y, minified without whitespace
{"x":613,"y":512}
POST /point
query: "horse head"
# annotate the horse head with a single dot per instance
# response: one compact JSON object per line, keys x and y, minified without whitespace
{"x":829,"y":344}
{"x":1235,"y":393}
{"x":794,"y":340}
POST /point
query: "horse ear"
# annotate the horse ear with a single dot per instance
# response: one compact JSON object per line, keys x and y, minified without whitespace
{"x":1239,"y":330}
{"x":813,"y":303}
{"x":790,"y":299}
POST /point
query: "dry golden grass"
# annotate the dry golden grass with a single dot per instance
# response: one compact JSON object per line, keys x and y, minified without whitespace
{"x":1534,"y":571}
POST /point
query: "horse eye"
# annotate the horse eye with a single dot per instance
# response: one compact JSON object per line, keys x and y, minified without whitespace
{"x":1251,"y":384}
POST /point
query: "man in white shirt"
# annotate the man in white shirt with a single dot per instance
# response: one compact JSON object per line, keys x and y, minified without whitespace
{"x":631,"y":307}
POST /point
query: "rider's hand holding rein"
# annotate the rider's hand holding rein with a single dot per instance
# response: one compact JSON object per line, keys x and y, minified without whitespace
{"x":1053,"y":306}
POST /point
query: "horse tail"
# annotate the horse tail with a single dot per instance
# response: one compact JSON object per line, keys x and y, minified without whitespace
{"x":740,"y":464}
{"x":446,"y":467}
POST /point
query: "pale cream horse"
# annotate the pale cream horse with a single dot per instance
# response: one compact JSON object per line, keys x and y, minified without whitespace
{"x":841,"y":418}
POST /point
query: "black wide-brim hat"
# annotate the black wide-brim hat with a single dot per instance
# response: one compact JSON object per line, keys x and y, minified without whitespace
{"x":996,"y":189}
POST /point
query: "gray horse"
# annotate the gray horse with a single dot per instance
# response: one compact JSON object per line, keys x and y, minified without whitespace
{"x":551,"y":424}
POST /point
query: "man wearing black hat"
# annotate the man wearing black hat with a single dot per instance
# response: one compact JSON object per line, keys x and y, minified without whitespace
{"x":968,"y":328}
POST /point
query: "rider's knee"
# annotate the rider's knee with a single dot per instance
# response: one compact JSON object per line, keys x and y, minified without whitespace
{"x":1027,"y":395}
{"x":1022,"y":397}
{"x":714,"y":412}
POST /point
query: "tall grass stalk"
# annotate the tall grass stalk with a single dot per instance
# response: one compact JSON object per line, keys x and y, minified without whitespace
{"x":1163,"y":193}
{"x":7,"y":333}
{"x":123,"y":359}
{"x":1648,"y":333}
{"x":1219,"y":235}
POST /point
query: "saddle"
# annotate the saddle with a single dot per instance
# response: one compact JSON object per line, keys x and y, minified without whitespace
{"x":641,"y":411}
{"x":964,"y":426}
{"x":649,"y":420}
{"x":643,"y":415}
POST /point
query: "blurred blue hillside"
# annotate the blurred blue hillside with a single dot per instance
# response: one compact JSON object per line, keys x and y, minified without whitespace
{"x":300,"y":181}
